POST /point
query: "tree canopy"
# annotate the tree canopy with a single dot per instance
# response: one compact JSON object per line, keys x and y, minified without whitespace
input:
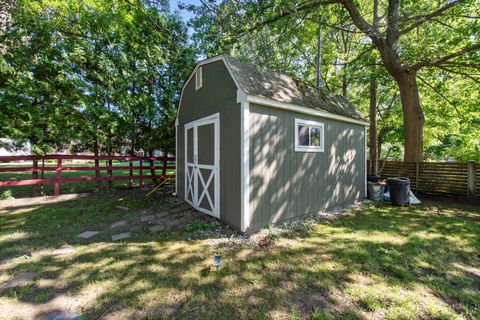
{"x":105,"y":76}
{"x":95,"y":75}
{"x":423,"y":55}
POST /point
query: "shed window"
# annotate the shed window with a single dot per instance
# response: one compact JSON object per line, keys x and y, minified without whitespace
{"x":198,"y":78}
{"x":309,"y":136}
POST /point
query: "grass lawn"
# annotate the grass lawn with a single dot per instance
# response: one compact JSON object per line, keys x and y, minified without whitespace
{"x":77,"y":187}
{"x":379,"y":262}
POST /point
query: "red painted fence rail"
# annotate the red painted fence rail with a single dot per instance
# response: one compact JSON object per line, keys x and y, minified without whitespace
{"x":167,"y":163}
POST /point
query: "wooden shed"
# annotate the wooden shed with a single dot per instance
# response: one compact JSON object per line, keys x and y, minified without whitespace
{"x":256,"y":148}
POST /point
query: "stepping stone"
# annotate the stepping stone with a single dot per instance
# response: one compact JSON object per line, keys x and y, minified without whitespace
{"x":176,"y":210}
{"x":21,"y":278}
{"x":157,"y":228}
{"x":66,"y":249}
{"x":118,"y":224}
{"x":147,"y":218}
{"x":38,"y":252}
{"x":122,"y":208}
{"x":185,"y":207}
{"x":88,"y":234}
{"x":60,"y":315}
{"x":120,"y":236}
{"x":162,"y":214}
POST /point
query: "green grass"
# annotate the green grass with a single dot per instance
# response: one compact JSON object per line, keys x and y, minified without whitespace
{"x":379,"y":262}
{"x":76,"y":187}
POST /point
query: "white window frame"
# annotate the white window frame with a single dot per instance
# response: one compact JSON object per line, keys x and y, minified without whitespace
{"x":309,"y":123}
{"x":199,"y":78}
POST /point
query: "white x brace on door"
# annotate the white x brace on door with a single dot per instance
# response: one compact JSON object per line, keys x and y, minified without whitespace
{"x":202,"y":160}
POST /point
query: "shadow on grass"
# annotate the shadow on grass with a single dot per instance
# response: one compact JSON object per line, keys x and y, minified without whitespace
{"x":394,"y":252}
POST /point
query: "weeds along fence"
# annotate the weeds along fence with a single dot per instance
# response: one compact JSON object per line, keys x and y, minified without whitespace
{"x":453,"y":179}
{"x":157,"y":168}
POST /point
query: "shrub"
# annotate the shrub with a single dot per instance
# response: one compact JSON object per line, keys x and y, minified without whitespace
{"x":7,"y":195}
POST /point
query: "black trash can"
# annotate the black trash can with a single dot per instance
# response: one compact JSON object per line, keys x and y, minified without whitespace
{"x":399,"y":191}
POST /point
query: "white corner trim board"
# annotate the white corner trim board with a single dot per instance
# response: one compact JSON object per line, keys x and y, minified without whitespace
{"x":245,"y":165}
{"x":176,"y":156}
{"x":365,"y":153}
{"x":300,"y":109}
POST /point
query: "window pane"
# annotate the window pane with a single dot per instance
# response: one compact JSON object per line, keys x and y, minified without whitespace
{"x":303,"y":135}
{"x":315,"y":137}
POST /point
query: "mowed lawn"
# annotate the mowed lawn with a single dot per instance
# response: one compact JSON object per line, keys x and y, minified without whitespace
{"x":379,"y":262}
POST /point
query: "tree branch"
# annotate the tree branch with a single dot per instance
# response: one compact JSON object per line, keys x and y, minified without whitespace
{"x":392,"y":21}
{"x":342,"y":28}
{"x":442,"y":96}
{"x":309,"y":5}
{"x":460,"y":73}
{"x":446,"y":58}
{"x":425,"y":18}
{"x":361,"y":23}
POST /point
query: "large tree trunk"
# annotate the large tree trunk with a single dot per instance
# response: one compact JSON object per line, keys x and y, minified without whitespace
{"x":373,"y":126}
{"x":413,"y":118}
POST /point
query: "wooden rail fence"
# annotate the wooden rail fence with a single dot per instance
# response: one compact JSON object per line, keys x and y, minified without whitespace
{"x":166,"y":163}
{"x":455,"y":179}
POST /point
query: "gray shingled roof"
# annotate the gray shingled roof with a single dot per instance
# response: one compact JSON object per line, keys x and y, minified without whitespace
{"x":256,"y":81}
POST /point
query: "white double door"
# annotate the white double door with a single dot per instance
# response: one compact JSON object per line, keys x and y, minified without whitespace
{"x":202,"y":159}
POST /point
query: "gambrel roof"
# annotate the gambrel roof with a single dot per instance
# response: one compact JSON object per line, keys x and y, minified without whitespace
{"x":259,"y":82}
{"x":260,"y":86}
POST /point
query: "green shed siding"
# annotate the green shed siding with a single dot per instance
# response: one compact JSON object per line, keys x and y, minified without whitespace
{"x":285,"y":184}
{"x":218,"y":94}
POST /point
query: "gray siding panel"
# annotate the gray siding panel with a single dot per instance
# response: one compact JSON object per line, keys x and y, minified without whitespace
{"x":218,"y":94}
{"x":285,"y":184}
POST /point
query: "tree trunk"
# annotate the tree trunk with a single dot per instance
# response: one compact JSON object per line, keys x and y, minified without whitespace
{"x":373,"y":127}
{"x":413,"y":118}
{"x":35,"y":188}
{"x":97,"y":163}
{"x":152,"y":171}
{"x":110,"y":172}
{"x":130,"y":163}
{"x":319,"y":54}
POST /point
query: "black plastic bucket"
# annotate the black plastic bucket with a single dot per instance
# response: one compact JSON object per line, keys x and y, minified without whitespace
{"x":399,"y":191}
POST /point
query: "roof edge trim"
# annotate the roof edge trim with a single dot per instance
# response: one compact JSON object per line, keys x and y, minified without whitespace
{"x":297,"y":108}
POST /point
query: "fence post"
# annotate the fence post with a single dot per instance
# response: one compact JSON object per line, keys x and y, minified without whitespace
{"x":42,"y":176}
{"x":164,"y":171}
{"x":110,"y":172}
{"x":417,"y":175}
{"x":130,"y":180}
{"x":58,"y":173}
{"x":97,"y":173}
{"x":152,"y":170}
{"x":35,"y":176}
{"x":471,"y":179}
{"x":141,"y":175}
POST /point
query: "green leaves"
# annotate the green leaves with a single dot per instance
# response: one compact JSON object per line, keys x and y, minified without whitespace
{"x":281,"y":35}
{"x":79,"y":73}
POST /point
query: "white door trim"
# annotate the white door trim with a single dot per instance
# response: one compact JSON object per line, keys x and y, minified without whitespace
{"x":215,"y":175}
